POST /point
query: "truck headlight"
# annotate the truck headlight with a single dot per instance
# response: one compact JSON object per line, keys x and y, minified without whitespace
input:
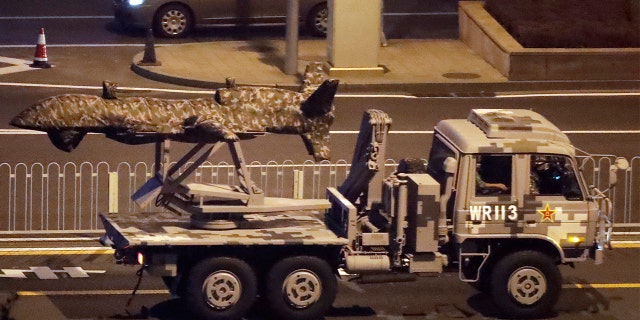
{"x":576,"y":240}
{"x":140,"y":258}
{"x":134,"y":3}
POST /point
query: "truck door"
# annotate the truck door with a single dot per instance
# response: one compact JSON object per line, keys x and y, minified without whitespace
{"x":492,"y":202}
{"x":555,"y":204}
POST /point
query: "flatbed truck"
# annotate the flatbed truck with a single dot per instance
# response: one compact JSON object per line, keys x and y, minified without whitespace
{"x":501,"y":201}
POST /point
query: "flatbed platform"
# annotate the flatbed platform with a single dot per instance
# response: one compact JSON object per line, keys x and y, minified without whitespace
{"x":168,"y":229}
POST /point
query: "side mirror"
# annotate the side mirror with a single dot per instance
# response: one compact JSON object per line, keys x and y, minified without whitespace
{"x":450,"y":165}
{"x":619,"y":164}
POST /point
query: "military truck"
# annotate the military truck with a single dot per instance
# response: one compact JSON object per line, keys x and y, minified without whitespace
{"x":501,"y":200}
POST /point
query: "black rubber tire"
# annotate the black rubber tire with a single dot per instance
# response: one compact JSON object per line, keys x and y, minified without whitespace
{"x":526,"y":284}
{"x":318,"y":20}
{"x":483,"y":284}
{"x":295,"y":281}
{"x":232,"y":289}
{"x":173,"y":21}
{"x":169,"y":282}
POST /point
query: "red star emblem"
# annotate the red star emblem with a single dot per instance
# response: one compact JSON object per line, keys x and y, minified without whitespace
{"x":547,"y":213}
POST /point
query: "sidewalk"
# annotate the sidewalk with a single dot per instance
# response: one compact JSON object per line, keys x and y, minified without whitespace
{"x":261,"y":62}
{"x":419,"y":66}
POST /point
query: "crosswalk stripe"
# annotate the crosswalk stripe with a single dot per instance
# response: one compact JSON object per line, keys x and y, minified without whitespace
{"x":46,"y":273}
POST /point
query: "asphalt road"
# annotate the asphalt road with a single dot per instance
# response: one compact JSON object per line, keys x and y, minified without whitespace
{"x":91,"y":48}
{"x":98,"y":289}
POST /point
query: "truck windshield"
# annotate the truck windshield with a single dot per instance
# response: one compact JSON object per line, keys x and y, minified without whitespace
{"x":439,"y":153}
{"x":553,"y":175}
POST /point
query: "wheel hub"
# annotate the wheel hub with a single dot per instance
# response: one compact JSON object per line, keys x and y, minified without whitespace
{"x":321,"y":20}
{"x":302,"y":288}
{"x":527,"y":285}
{"x":174,"y":22}
{"x":222,"y":290}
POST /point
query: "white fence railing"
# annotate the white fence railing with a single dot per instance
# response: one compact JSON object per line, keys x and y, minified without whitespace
{"x":70,"y":196}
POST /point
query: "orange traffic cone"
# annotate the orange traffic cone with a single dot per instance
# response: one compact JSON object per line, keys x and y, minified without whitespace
{"x":40,"y":59}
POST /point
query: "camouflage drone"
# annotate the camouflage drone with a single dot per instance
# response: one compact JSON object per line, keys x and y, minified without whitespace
{"x":232,"y":114}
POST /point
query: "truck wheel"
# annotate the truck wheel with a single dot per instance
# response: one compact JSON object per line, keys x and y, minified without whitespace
{"x":301,"y":287}
{"x":221,"y":288}
{"x":526,"y":284}
{"x":173,"y":21}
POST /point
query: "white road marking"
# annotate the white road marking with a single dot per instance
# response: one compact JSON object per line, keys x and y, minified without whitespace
{"x":17,"y":65}
{"x":46,"y":273}
{"x":64,"y":86}
{"x":568,"y":94}
{"x":95,"y":45}
{"x":381,"y":95}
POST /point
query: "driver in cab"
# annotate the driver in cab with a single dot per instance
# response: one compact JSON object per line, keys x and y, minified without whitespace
{"x":489,"y":173}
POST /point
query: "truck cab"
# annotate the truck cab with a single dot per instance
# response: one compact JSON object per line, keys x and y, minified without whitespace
{"x":516,"y":176}
{"x":501,"y":199}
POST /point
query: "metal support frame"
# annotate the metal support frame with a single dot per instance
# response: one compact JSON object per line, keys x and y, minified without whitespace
{"x":212,"y":206}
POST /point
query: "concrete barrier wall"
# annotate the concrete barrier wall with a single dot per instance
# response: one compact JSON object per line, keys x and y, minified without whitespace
{"x":483,"y":34}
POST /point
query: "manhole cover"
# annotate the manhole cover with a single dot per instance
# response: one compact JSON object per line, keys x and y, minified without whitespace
{"x":461,"y":75}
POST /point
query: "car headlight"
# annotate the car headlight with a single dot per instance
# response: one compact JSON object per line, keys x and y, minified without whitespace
{"x":134,"y":3}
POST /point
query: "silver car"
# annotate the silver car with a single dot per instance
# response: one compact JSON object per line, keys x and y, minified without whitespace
{"x":171,"y":18}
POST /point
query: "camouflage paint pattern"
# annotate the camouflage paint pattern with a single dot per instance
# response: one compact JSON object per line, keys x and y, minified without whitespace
{"x":159,"y":229}
{"x":505,"y":131}
{"x":518,"y":132}
{"x":232,"y":114}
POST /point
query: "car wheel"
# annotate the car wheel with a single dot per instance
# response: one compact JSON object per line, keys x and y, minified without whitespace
{"x":221,"y":288}
{"x":318,"y":20}
{"x":526,"y":284}
{"x":173,"y":21}
{"x":301,"y":287}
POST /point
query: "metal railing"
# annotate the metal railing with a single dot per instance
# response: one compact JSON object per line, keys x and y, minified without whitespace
{"x":41,"y":197}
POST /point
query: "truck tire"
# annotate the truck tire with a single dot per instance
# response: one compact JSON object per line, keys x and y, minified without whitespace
{"x":173,"y":21}
{"x":301,"y":287}
{"x":526,"y":284}
{"x":221,"y":288}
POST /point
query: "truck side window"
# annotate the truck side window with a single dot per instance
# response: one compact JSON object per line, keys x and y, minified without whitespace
{"x":493,"y":175}
{"x":553,"y":175}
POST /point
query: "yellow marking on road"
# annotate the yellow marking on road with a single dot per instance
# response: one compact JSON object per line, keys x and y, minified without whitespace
{"x":53,"y":251}
{"x":161,"y":291}
{"x":87,"y":292}
{"x":601,"y":286}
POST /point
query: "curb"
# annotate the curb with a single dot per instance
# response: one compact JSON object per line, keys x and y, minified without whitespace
{"x":436,"y":89}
